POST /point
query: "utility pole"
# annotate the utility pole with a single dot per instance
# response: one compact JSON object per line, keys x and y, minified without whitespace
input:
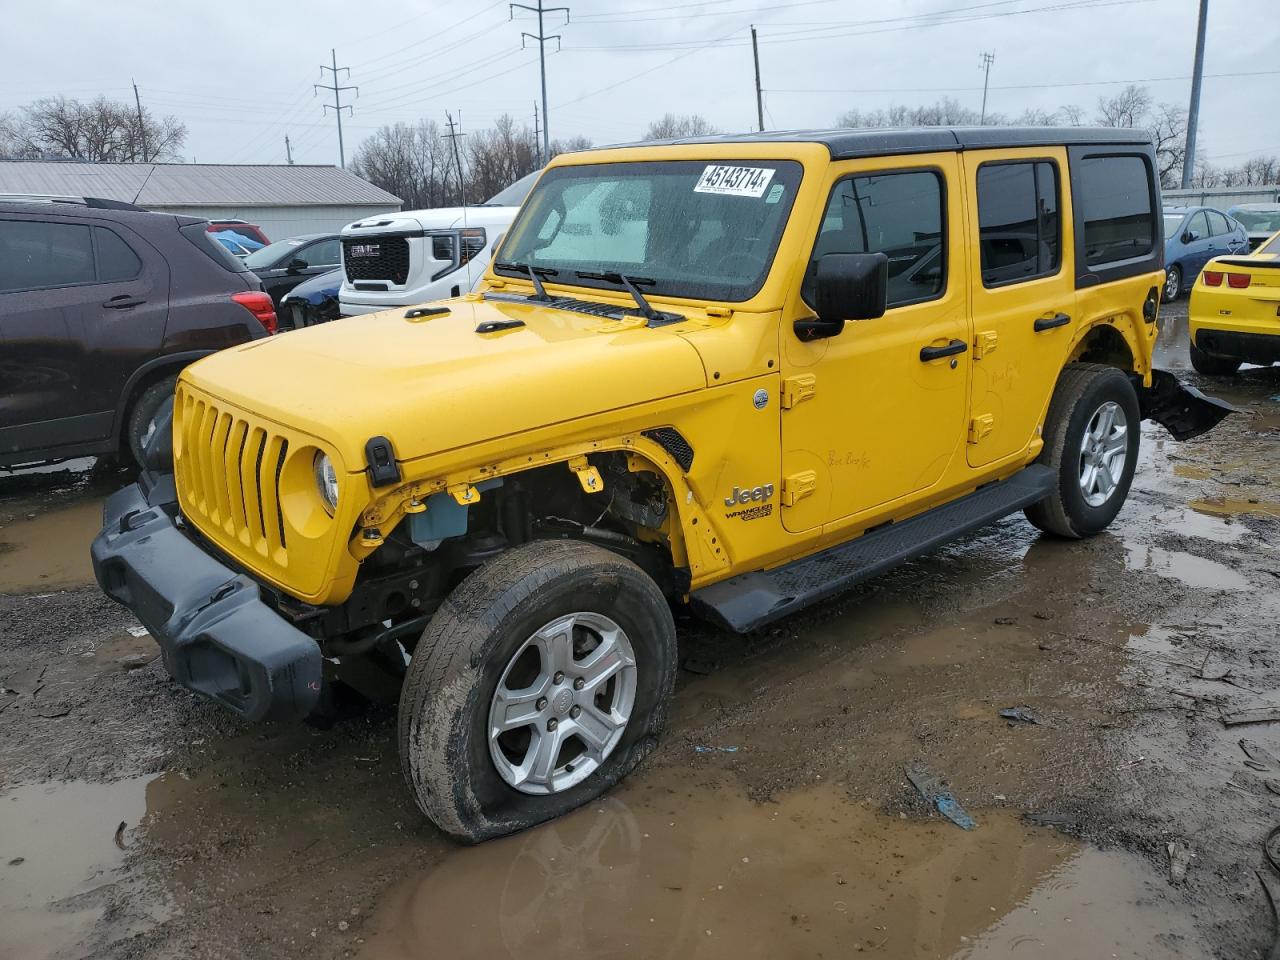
{"x":542,"y":39}
{"x":755,"y":53}
{"x":142,"y":130}
{"x":338,"y":105}
{"x":536,"y":135}
{"x":987,"y":60}
{"x":1193,"y":111}
{"x":457,"y":156}
{"x":288,"y":150}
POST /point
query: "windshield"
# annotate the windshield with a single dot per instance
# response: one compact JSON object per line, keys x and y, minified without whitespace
{"x":269,"y":254}
{"x":1172,"y":221}
{"x":1259,"y":221}
{"x":514,"y":195}
{"x":690,"y":228}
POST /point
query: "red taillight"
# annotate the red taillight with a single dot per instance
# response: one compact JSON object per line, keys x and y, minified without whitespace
{"x":260,"y":305}
{"x":1239,"y":280}
{"x":1212,"y":278}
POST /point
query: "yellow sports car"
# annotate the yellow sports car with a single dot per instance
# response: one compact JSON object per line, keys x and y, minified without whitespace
{"x":1235,"y":311}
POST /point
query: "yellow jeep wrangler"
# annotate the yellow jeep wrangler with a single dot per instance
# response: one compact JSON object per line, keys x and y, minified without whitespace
{"x":738,"y":373}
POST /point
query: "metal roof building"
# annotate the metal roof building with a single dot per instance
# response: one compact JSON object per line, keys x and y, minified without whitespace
{"x":284,"y":200}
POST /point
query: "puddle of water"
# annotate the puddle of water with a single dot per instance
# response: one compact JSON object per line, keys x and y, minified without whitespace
{"x":1185,"y":567}
{"x":50,"y":551}
{"x":1226,"y":507}
{"x":65,"y":835}
{"x":1192,"y":523}
{"x":1192,"y":473}
{"x":1267,"y":423}
{"x":672,"y":868}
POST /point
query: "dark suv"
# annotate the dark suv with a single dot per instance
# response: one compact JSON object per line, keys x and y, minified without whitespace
{"x":100,"y":308}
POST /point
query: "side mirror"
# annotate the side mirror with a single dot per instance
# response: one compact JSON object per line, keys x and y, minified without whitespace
{"x":297,"y":265}
{"x":849,"y":286}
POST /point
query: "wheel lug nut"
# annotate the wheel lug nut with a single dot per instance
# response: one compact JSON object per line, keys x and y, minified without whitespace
{"x":552,"y":723}
{"x":579,"y":684}
{"x":574,"y":712}
{"x":558,"y":678}
{"x":542,"y":703}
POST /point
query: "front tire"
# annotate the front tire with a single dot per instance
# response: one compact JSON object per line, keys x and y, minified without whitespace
{"x":1172,"y":283}
{"x":542,"y":681}
{"x":1091,"y":439}
{"x":1212,"y":366}
{"x":143,"y":416}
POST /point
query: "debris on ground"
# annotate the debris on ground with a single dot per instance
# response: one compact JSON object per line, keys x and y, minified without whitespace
{"x":1179,"y":860}
{"x":1251,"y":715}
{"x":702,"y":749}
{"x":1020,"y":715}
{"x":931,"y":788}
{"x":119,"y":837}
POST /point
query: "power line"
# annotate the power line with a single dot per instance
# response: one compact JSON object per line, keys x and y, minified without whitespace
{"x":542,"y":39}
{"x":338,"y":105}
{"x":1020,"y":86}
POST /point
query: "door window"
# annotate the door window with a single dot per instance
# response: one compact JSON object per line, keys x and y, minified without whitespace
{"x":116,"y":259}
{"x":1197,"y":227}
{"x":34,"y":254}
{"x":326,"y":253}
{"x":898,"y":214}
{"x":1218,"y":224}
{"x":1018,"y":228}
{"x":1114,"y":198}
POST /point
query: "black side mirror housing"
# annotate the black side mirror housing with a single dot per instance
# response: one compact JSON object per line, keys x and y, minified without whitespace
{"x":297,"y":265}
{"x":849,"y":286}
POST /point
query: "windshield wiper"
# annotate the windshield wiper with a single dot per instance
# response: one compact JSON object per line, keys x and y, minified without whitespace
{"x":631,"y":284}
{"x":540,"y":292}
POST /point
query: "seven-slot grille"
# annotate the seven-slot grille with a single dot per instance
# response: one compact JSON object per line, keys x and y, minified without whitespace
{"x":229,"y":472}
{"x":376,"y":258}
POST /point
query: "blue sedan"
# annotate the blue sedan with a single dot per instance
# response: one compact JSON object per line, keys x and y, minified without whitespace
{"x":1192,"y":237}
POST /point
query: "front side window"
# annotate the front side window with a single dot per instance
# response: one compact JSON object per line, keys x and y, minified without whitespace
{"x":1197,"y":226}
{"x":326,"y":253}
{"x":682,"y":228}
{"x":34,"y":254}
{"x":1114,"y":200}
{"x":898,"y":214}
{"x":1019,"y":236}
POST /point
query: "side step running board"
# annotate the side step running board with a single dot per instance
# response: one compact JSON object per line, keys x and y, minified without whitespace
{"x":753,"y":600}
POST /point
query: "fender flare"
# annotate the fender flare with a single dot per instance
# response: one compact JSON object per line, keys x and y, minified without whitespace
{"x":166,"y":363}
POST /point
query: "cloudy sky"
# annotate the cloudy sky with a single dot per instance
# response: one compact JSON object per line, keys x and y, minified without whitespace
{"x":240,"y":75}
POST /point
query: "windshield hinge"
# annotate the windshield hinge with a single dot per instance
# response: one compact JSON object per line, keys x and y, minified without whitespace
{"x":720,"y":312}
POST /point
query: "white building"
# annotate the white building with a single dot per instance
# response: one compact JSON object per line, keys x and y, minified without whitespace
{"x":284,"y":200}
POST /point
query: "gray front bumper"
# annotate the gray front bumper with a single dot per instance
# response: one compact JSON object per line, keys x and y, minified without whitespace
{"x":216,"y":635}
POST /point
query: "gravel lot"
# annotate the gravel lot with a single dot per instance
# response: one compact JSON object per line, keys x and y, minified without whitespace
{"x":775,"y":820}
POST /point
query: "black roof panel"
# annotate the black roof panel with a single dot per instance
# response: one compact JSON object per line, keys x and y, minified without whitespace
{"x":847,"y":144}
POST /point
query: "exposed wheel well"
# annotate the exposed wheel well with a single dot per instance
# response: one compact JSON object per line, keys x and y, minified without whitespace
{"x":1104,"y":344}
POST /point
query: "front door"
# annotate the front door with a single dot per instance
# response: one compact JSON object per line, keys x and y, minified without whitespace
{"x":1024,"y":295}
{"x":876,"y":414}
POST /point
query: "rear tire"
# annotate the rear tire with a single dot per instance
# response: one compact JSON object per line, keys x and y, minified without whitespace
{"x":1212,"y":366}
{"x":544,"y":608}
{"x":1091,"y":436}
{"x":142,"y":417}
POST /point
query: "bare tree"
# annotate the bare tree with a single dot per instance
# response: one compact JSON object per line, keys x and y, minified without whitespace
{"x":673,"y":126}
{"x":944,"y":113}
{"x":570,"y":145}
{"x":412,"y":161}
{"x":1134,"y":108}
{"x":497,"y":157}
{"x":102,"y":130}
{"x":1129,"y":108}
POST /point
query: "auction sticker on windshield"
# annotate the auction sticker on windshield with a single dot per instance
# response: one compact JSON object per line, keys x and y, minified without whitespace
{"x":734,"y":181}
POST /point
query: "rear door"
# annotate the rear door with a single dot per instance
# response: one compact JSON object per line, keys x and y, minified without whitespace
{"x":80,"y":307}
{"x":1023,"y":292}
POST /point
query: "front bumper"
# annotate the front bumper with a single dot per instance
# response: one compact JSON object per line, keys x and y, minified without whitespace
{"x":216,"y":635}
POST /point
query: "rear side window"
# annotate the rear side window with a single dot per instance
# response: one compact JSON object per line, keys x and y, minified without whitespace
{"x":898,"y":214}
{"x":116,"y":259}
{"x":1018,"y":227}
{"x":1218,"y":224}
{"x":1114,"y":200}
{"x":35,"y":254}
{"x":199,"y":235}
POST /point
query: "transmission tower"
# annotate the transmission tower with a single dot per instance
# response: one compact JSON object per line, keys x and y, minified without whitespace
{"x":338,"y":105}
{"x":542,"y":39}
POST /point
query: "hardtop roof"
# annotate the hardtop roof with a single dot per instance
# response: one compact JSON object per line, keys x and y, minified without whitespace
{"x":848,"y":144}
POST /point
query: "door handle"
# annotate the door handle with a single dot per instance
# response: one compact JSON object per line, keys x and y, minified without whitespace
{"x":937,"y":353}
{"x":1048,"y":323}
{"x":122,"y":301}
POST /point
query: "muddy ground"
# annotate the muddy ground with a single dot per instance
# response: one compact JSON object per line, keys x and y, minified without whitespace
{"x":775,"y":821}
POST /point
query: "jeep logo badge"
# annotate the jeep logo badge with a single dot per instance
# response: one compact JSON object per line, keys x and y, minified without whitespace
{"x":742,"y":495}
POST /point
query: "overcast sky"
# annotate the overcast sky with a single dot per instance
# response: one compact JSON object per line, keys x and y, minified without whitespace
{"x":240,"y":75}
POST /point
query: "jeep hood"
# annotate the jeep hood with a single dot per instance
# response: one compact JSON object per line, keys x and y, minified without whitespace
{"x":432,"y":384}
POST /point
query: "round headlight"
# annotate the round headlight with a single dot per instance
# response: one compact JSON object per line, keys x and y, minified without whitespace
{"x":326,"y":481}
